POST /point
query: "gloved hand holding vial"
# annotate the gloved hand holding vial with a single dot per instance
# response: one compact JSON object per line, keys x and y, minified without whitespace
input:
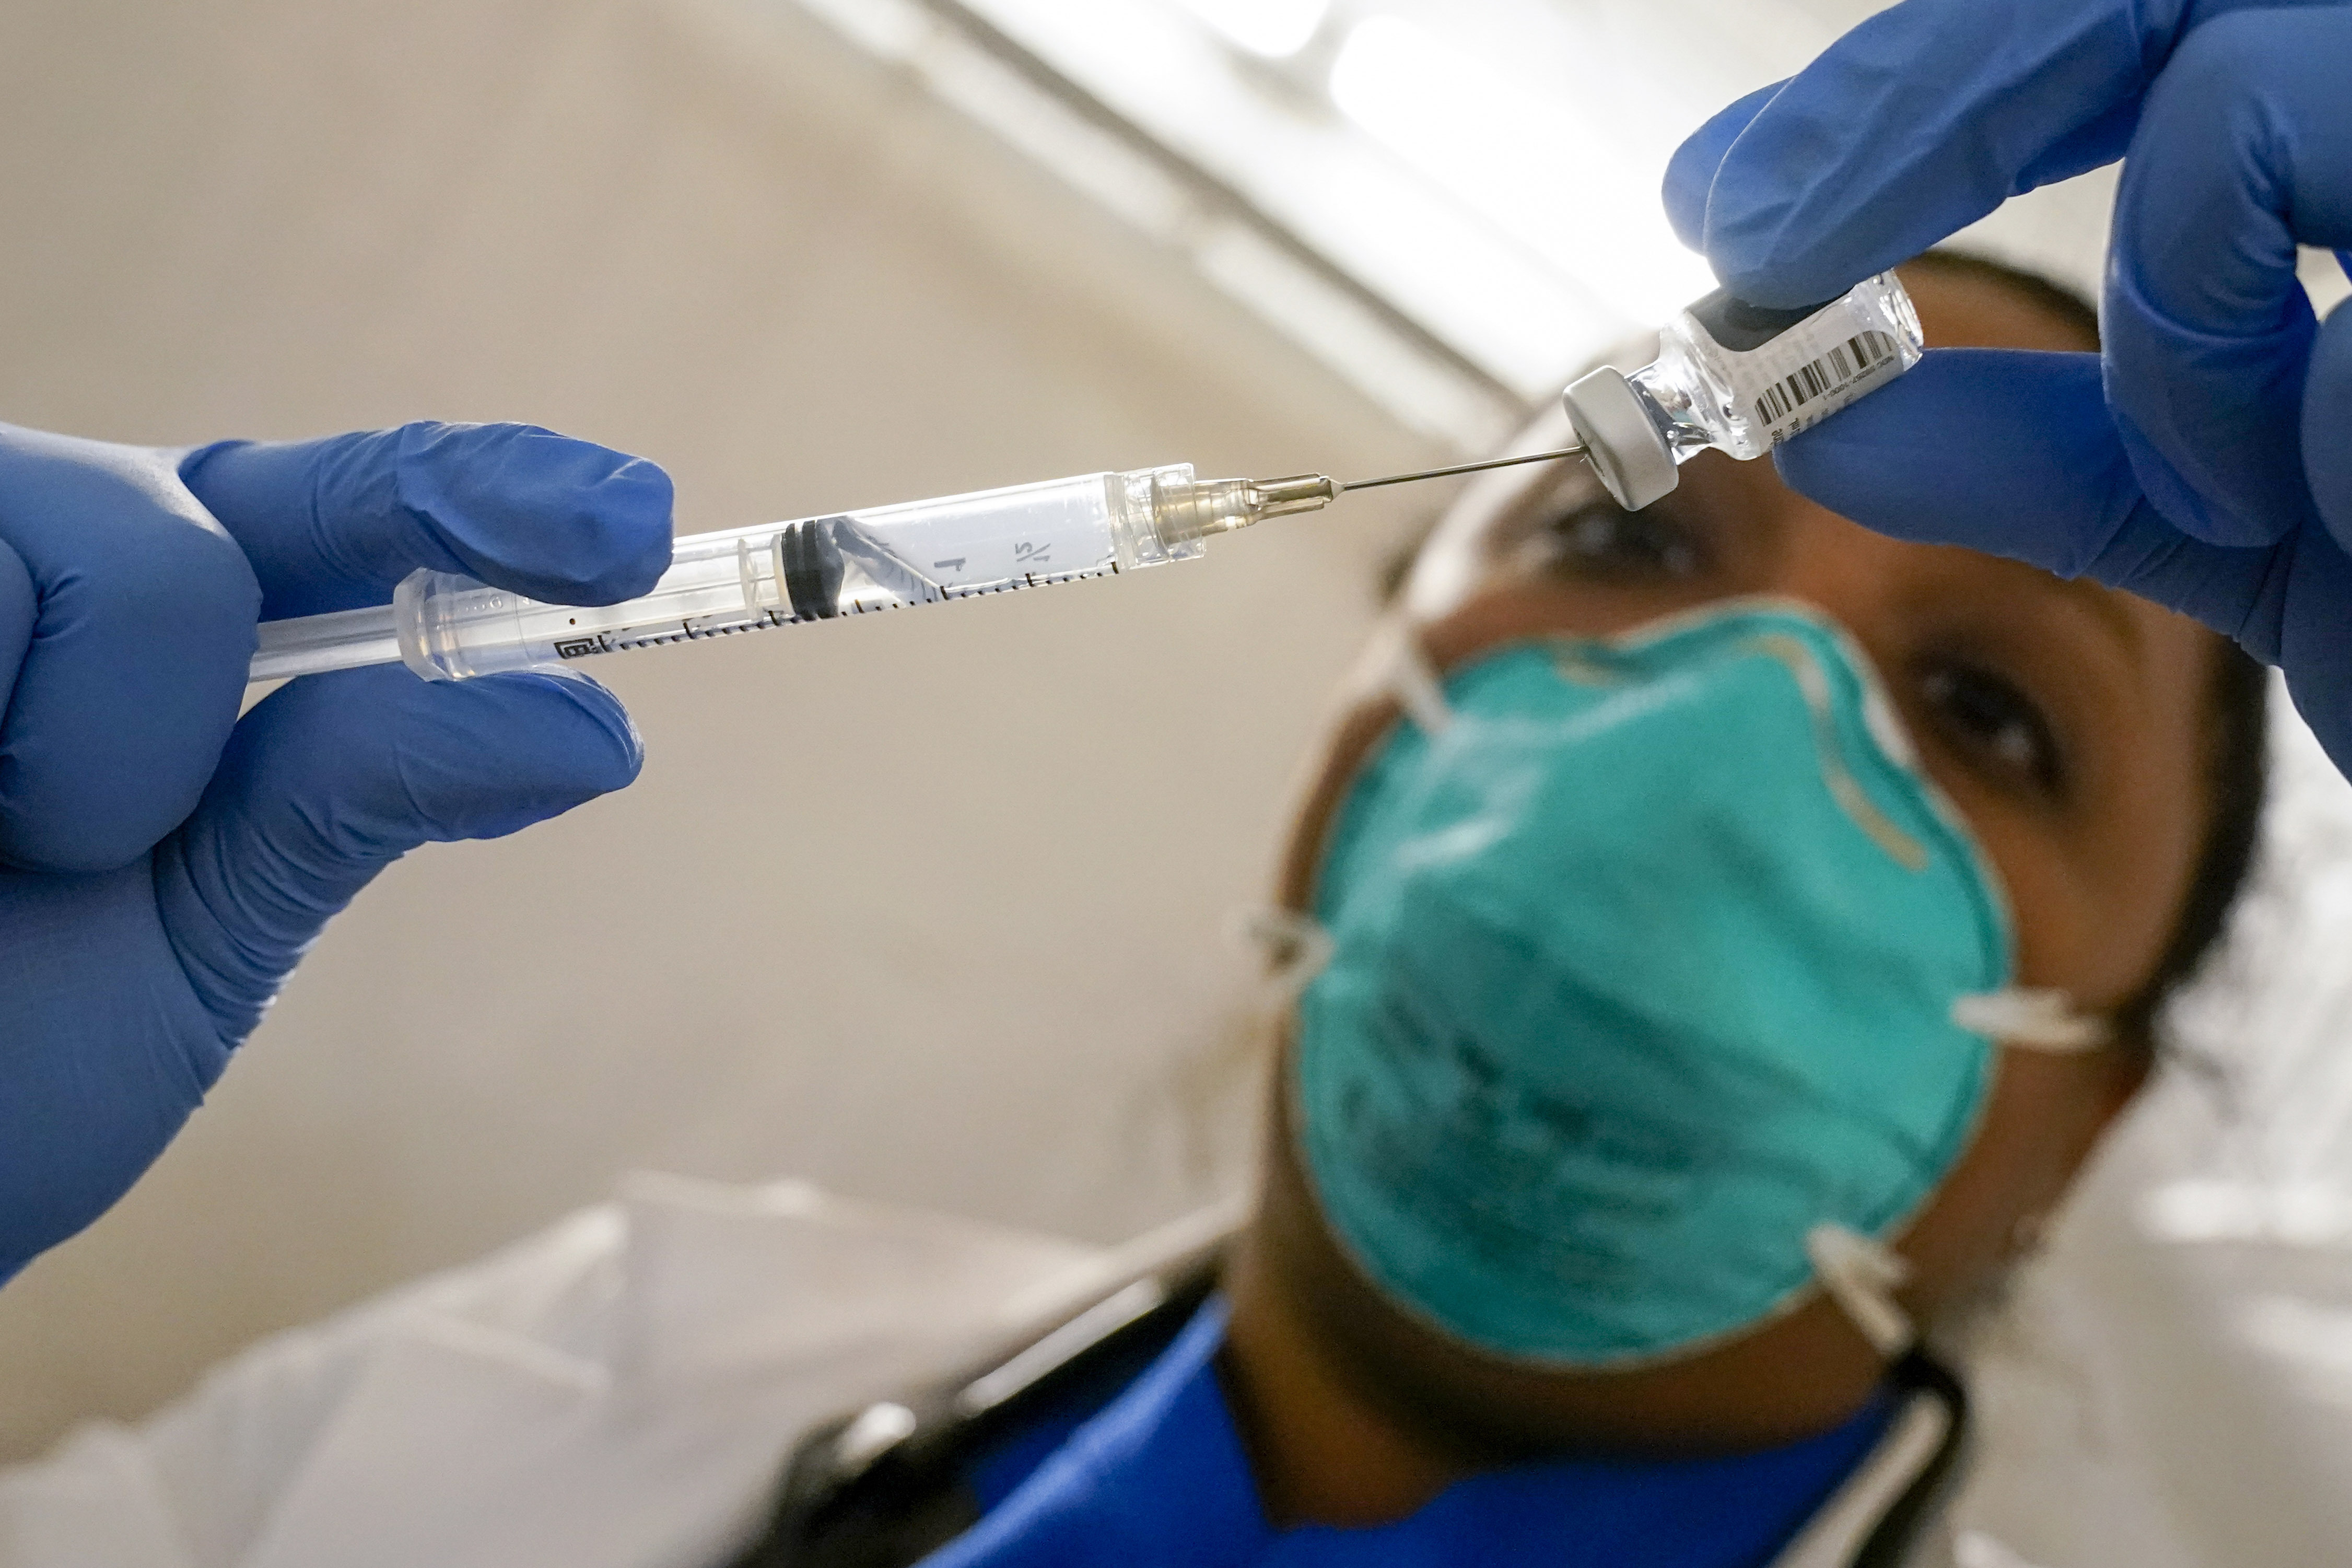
{"x":1729,"y":377}
{"x":2200,"y":460}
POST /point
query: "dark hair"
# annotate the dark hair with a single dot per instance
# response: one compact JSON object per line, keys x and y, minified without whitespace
{"x":2237,"y":698}
{"x":2237,"y":779}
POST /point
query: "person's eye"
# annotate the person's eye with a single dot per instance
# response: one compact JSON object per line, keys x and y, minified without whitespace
{"x":1991,"y":719}
{"x":1604,"y":543}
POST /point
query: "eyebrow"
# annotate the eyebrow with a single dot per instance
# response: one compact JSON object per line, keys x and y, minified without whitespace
{"x":1573,"y":483}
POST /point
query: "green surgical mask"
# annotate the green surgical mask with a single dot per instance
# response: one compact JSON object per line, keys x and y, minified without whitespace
{"x":1652,"y":963}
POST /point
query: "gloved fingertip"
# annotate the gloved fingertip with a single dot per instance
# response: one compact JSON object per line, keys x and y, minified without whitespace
{"x":560,"y":518}
{"x":635,"y":504}
{"x":391,"y":762}
{"x":1908,"y":460}
{"x":333,"y":777}
{"x":1690,"y":174}
{"x":2328,"y":425}
{"x":490,"y":756}
{"x":610,"y":753}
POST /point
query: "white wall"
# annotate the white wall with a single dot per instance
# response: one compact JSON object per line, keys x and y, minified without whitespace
{"x":926,"y":907}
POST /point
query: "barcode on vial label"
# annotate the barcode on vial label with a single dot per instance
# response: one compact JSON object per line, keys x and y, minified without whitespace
{"x":1826,"y":376}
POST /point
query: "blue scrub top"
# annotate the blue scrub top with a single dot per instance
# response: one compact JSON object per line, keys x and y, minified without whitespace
{"x":1158,"y":1477}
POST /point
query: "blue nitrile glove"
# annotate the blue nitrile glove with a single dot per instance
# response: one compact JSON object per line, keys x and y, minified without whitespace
{"x":162,"y":864}
{"x":2014,"y":453}
{"x":2232,"y":406}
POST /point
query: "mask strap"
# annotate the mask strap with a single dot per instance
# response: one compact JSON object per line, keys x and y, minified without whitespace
{"x":2041,"y":1020}
{"x":1861,"y":1277}
{"x":1296,"y":948}
{"x":1406,"y":668}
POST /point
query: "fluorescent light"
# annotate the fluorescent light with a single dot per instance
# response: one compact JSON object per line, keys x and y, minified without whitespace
{"x":1275,"y":29}
{"x":1476,"y":217}
{"x":1578,"y":191}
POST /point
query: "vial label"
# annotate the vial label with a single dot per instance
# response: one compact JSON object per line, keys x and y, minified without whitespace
{"x":1789,"y":370}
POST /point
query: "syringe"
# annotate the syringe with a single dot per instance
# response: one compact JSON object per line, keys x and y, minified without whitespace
{"x":447,"y":627}
{"x":1729,"y":376}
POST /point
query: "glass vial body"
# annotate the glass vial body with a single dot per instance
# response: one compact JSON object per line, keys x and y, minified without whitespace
{"x":1742,"y":379}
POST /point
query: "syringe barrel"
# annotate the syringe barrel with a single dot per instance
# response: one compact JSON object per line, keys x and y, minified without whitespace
{"x":311,"y":644}
{"x":446,"y":627}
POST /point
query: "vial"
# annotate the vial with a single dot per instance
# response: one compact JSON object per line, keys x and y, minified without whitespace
{"x":1741,"y":379}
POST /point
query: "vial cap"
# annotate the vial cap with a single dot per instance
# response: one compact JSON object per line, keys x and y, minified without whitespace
{"x":1622,"y":443}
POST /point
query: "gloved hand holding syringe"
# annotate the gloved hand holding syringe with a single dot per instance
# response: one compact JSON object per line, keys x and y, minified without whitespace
{"x":1727,"y":376}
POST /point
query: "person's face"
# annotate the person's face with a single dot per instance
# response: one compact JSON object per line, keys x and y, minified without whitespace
{"x":2066,"y":721}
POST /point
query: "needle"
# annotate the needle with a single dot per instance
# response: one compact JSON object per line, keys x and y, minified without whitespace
{"x":1467,"y":468}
